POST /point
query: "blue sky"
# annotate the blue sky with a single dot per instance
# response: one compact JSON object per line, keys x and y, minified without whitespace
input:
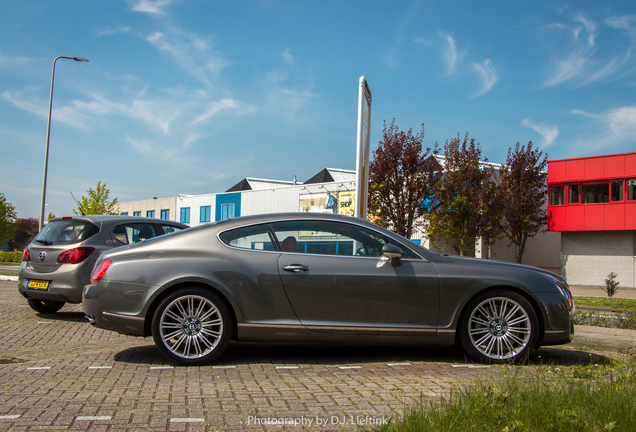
{"x":191,"y":96}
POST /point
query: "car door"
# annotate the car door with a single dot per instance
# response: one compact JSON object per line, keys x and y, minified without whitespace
{"x":336,"y":280}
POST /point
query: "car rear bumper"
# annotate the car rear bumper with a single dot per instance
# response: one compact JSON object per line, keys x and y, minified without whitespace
{"x":129,"y":323}
{"x":64,"y":284}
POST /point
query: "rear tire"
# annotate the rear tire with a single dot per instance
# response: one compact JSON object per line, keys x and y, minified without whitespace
{"x":45,"y":306}
{"x":192,"y":326}
{"x":499,"y":326}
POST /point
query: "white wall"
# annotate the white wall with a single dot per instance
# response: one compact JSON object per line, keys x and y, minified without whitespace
{"x":195,"y":202}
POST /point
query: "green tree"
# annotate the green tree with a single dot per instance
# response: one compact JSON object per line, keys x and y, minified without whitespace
{"x":50,"y":216}
{"x":97,"y":202}
{"x":522,"y":196}
{"x":400,"y":176}
{"x":463,"y":201}
{"x":8,"y":220}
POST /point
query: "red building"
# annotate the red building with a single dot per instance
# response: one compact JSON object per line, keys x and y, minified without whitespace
{"x":592,"y":202}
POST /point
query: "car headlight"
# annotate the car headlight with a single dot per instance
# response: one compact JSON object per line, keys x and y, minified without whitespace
{"x":565,"y":292}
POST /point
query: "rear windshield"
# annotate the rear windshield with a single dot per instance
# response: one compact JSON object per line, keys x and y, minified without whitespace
{"x":65,"y":232}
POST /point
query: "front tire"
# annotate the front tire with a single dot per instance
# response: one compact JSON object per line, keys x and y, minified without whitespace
{"x":45,"y":306}
{"x":192,"y":326}
{"x":499,"y":326}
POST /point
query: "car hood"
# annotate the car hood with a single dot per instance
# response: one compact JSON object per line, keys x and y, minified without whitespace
{"x":494,"y":265}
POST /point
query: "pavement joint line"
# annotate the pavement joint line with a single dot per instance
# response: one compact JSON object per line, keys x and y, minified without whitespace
{"x":93,"y":418}
{"x":187,"y":420}
{"x":10,"y":417}
{"x":100,"y":367}
{"x":39,"y":368}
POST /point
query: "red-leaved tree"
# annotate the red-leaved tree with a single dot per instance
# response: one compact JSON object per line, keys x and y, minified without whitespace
{"x":522,"y":196}
{"x":400,"y":178}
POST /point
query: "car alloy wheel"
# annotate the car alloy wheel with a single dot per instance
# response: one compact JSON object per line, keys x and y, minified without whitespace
{"x":499,"y":326}
{"x":191,"y":326}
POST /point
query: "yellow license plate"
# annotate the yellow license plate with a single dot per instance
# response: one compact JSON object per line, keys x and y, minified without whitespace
{"x":39,"y":284}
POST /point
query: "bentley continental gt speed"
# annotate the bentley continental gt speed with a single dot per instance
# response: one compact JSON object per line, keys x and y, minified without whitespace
{"x":316,"y":278}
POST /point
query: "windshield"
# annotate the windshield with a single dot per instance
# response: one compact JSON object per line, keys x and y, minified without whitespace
{"x":65,"y":232}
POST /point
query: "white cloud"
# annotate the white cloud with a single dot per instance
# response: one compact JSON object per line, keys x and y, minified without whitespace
{"x":625,"y":22}
{"x":216,"y":107}
{"x":114,"y":31}
{"x":191,"y":52}
{"x":454,"y":63}
{"x":614,"y":127}
{"x":150,"y":6}
{"x":451,"y":56}
{"x":549,"y":132}
{"x":487,"y":75}
{"x":582,"y":61}
{"x":287,"y":56}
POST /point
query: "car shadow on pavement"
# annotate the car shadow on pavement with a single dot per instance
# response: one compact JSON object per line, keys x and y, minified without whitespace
{"x":338,"y":355}
{"x":63,"y":316}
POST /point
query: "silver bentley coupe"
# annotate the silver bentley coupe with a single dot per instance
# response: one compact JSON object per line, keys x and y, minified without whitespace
{"x":318,"y":278}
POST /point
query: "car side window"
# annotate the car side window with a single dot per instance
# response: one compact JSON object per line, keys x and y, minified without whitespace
{"x":256,"y":237}
{"x":328,"y":238}
{"x":167,"y":229}
{"x":134,"y":232}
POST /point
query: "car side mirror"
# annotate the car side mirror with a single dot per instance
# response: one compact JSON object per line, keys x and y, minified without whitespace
{"x":393,"y":253}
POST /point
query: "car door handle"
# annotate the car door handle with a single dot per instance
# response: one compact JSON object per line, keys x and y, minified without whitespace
{"x":295,"y":268}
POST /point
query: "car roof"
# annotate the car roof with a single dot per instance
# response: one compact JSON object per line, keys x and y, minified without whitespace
{"x":112,"y":219}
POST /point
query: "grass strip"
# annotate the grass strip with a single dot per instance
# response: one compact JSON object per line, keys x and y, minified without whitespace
{"x":606,"y":302}
{"x":529,"y":402}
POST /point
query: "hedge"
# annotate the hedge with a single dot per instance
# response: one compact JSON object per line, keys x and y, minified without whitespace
{"x":11,"y":257}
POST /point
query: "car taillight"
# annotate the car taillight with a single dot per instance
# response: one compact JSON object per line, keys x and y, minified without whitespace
{"x":26,"y":254}
{"x":100,"y":270}
{"x":75,"y":255}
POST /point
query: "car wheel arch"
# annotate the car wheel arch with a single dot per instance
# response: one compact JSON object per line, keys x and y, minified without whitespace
{"x":167,"y":291}
{"x":537,"y":309}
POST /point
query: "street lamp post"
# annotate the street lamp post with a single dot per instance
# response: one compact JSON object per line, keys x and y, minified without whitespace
{"x":48,"y":136}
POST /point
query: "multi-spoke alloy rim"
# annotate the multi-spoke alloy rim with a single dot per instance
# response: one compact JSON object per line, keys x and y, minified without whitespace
{"x":499,"y":328}
{"x":191,"y":327}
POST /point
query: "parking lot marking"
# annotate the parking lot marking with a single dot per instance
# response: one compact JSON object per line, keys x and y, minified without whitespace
{"x":349,"y":367}
{"x":224,"y":367}
{"x":10,"y":417}
{"x":287,"y":367}
{"x":470,"y":366}
{"x":100,"y":367}
{"x":398,"y":364}
{"x":44,"y":322}
{"x":93,"y":418}
{"x":187,"y":420}
{"x":161,"y":367}
{"x":39,"y":368}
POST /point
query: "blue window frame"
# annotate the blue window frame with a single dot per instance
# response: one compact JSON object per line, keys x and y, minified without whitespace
{"x":137,"y":213}
{"x":185,"y":215}
{"x":205,"y":214}
{"x":165,"y":214}
{"x":227,"y":211}
{"x":150,"y":213}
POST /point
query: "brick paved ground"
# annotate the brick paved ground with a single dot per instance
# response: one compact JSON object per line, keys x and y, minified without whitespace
{"x":59,"y":373}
